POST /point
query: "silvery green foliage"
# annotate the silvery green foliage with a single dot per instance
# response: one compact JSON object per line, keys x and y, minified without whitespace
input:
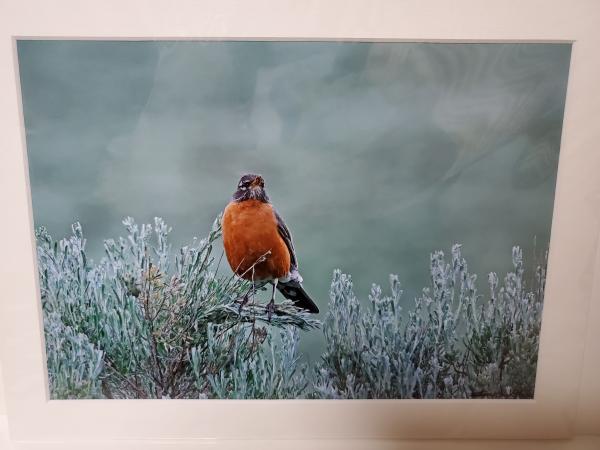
{"x":256,"y":371}
{"x":144,"y":323}
{"x":74,"y":363}
{"x":452,"y":344}
{"x":503,"y":334}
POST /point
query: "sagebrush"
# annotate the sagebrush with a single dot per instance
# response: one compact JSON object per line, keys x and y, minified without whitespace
{"x":148,"y":322}
{"x":454,"y":343}
{"x":144,"y":323}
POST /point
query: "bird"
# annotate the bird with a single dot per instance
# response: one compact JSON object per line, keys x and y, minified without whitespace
{"x":259,"y":246}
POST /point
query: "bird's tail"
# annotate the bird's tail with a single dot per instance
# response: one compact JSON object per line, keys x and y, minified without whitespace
{"x":294,"y":291}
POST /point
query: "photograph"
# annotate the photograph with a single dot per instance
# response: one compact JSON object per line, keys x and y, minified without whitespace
{"x":288,"y":219}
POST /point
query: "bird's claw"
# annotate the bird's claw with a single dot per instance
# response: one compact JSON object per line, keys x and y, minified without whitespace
{"x":270,"y":309}
{"x":245,"y":299}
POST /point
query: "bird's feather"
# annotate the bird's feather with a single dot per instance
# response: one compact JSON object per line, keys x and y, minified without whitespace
{"x":286,"y":235}
{"x":294,"y":291}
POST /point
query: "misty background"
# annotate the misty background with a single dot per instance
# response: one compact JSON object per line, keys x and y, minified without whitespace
{"x":376,"y":154}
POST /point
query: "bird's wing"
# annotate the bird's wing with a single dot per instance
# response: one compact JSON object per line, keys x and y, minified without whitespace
{"x":284,"y":232}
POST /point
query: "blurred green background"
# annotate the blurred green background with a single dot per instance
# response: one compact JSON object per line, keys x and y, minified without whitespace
{"x":376,"y":154}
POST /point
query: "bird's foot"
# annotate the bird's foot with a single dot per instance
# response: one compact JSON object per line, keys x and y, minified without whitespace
{"x":243,"y":301}
{"x":270,"y":309}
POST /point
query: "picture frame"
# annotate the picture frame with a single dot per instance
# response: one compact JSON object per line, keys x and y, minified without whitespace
{"x":572,"y":270}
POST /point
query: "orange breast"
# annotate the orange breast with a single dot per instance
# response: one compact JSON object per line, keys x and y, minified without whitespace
{"x":249,"y":232}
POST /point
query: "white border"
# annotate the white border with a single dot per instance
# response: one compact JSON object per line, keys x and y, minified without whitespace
{"x":572,"y":252}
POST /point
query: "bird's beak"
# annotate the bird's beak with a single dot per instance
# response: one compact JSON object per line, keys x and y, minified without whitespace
{"x":256,"y":183}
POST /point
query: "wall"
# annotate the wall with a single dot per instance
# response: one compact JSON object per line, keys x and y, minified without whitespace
{"x":588,"y":420}
{"x":2,"y":405}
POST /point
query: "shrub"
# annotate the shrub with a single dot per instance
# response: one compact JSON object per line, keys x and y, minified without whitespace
{"x":451,"y":345}
{"x":146,"y":323}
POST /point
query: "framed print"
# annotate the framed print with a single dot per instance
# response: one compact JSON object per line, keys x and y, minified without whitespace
{"x":206,"y":214}
{"x":441,"y":160}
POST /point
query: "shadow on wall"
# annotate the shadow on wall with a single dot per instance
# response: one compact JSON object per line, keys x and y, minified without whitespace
{"x":2,"y":405}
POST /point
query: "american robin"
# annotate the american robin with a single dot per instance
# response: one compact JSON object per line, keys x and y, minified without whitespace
{"x":258,"y":244}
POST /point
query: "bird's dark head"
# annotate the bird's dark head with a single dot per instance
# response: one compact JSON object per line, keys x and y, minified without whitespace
{"x":251,"y":187}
